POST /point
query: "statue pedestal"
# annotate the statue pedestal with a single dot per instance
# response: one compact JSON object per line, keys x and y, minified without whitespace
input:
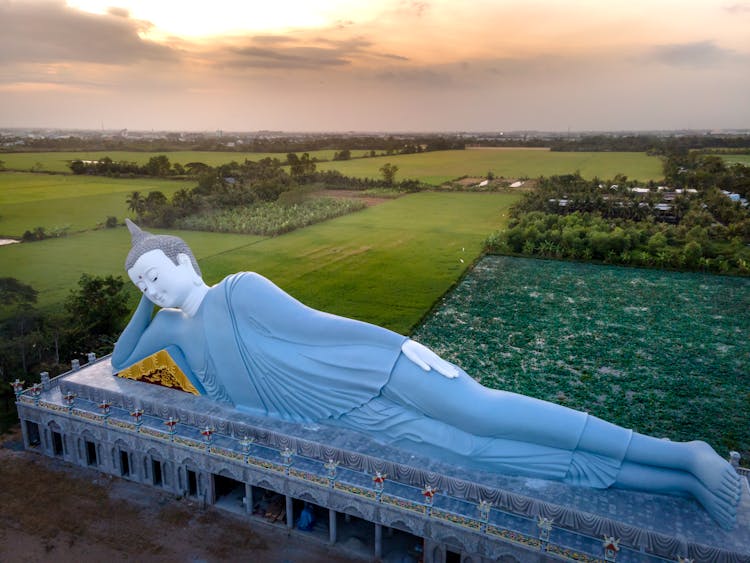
{"x":669,"y":527}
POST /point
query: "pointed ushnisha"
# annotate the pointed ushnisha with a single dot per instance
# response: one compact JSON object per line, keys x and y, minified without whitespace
{"x":136,"y":233}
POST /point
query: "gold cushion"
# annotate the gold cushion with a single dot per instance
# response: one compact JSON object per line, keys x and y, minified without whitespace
{"x":159,"y":369}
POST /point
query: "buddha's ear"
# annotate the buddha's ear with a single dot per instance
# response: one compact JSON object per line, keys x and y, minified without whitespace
{"x":184,"y":260}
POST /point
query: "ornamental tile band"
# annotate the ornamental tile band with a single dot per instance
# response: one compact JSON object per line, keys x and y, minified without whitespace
{"x":514,"y":536}
{"x":122,"y":424}
{"x":403,"y":504}
{"x":307,"y":476}
{"x":229,"y":454}
{"x":187,"y":442}
{"x":456,"y":519}
{"x":359,"y":491}
{"x":572,"y":555}
{"x":87,"y":415}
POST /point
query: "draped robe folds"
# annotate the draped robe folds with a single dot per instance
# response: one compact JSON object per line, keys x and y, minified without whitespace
{"x":274,"y":355}
{"x":269,"y":354}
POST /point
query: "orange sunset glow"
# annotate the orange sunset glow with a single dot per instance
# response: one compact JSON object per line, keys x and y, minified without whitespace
{"x":391,"y":65}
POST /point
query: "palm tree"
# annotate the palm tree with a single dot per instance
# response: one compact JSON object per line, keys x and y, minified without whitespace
{"x":136,"y":202}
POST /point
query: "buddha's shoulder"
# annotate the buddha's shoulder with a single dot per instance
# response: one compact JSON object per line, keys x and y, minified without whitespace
{"x":244,"y":282}
{"x":243,"y":278}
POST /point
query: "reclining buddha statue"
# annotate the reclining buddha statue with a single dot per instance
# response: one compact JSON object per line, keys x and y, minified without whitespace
{"x":247,"y":343}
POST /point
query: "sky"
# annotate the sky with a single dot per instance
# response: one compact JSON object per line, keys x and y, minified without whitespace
{"x":375,"y":66}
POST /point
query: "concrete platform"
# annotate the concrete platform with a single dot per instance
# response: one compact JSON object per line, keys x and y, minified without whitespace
{"x":649,"y":526}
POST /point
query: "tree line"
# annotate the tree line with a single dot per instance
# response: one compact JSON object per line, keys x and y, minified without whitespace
{"x":375,"y":145}
{"x":697,"y":221}
{"x":33,"y":340}
{"x":234,"y":185}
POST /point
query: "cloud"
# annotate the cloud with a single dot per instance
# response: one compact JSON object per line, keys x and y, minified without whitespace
{"x":695,"y":54}
{"x":295,"y":52}
{"x":119,"y":12}
{"x":50,"y":32}
{"x":415,"y":7}
{"x":422,"y":77}
{"x":287,"y":58}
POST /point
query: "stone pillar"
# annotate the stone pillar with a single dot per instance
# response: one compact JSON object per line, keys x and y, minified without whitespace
{"x":378,"y":541}
{"x":25,"y":435}
{"x":175,"y":472}
{"x":331,"y":526}
{"x":289,"y":512}
{"x":44,"y":379}
{"x":46,"y":439}
{"x":91,"y":357}
{"x":75,"y":364}
{"x":248,"y":498}
{"x":433,"y":552}
{"x":211,"y":496}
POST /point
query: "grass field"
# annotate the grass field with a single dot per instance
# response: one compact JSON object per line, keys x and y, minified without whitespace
{"x":441,"y":166}
{"x":59,"y":161}
{"x":387,"y":264}
{"x":54,"y":266}
{"x":743,"y":159}
{"x":46,"y":200}
{"x":432,"y":168}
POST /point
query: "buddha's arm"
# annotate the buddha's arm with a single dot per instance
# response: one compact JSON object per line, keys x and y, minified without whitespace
{"x":141,"y":337}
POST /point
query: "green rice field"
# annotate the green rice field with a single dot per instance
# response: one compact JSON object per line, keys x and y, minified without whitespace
{"x":386,"y":264}
{"x":441,"y":166}
{"x":664,"y":353}
{"x":79,"y":202}
{"x":743,"y":159}
{"x":432,"y":168}
{"x":58,"y":161}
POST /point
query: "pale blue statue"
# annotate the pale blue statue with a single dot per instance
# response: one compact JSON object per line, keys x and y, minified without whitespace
{"x":246,"y":342}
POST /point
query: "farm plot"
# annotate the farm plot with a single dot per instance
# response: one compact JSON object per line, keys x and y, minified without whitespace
{"x":54,"y":266}
{"x":441,"y":166}
{"x":664,"y":353}
{"x":386,"y":264}
{"x":78,"y":202}
{"x":743,"y":159}
{"x":432,"y":168}
{"x":59,"y":162}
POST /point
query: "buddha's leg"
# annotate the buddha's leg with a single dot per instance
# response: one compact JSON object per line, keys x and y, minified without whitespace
{"x":410,"y":430}
{"x":473,"y":408}
{"x":671,"y":481}
{"x":464,"y":403}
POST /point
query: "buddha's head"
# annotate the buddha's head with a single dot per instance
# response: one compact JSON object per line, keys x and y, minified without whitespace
{"x":162,"y":266}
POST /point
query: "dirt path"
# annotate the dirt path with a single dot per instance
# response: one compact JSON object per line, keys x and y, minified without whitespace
{"x":54,"y":511}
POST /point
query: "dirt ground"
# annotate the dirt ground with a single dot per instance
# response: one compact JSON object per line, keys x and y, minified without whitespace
{"x":54,"y":511}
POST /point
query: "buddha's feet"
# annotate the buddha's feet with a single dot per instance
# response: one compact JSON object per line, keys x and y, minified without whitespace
{"x":718,"y":478}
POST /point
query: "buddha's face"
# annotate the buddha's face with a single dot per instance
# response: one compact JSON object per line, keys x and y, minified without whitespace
{"x":165,"y":283}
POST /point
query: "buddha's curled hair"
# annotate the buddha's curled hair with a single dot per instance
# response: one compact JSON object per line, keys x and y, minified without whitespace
{"x":143,"y":241}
